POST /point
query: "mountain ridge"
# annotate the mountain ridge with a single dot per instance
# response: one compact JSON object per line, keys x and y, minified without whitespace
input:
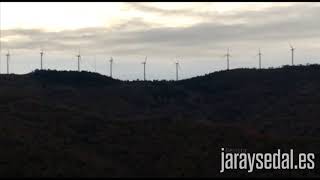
{"x":84,"y":124}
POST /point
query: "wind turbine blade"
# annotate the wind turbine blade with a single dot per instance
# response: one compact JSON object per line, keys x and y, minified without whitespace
{"x":179,"y":66}
{"x":146,"y":59}
{"x":290,"y":45}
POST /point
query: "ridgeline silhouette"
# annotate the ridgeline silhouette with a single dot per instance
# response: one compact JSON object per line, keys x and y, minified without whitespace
{"x":80,"y":124}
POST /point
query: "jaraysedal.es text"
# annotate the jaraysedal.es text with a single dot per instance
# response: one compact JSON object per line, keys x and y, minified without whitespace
{"x":278,"y":160}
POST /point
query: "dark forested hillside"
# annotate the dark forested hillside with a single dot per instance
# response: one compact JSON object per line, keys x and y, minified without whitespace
{"x":73,"y":124}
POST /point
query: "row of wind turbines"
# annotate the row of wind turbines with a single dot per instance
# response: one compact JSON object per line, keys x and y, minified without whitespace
{"x":79,"y":61}
{"x":260,"y":56}
{"x":177,"y":64}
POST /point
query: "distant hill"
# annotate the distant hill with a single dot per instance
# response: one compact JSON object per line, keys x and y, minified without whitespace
{"x":85,"y":79}
{"x":66,"y":123}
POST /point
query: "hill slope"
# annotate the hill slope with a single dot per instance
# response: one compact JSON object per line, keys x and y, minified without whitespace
{"x":85,"y":124}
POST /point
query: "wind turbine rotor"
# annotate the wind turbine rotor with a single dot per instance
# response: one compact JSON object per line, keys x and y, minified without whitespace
{"x":292,"y":48}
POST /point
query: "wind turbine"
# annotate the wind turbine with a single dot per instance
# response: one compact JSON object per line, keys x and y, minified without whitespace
{"x":41,"y":57}
{"x":259,"y":54}
{"x":111,"y":61}
{"x":177,"y":70}
{"x":228,"y":56}
{"x":95,"y":64}
{"x":79,"y":58}
{"x":8,"y":58}
{"x":144,"y":68}
{"x":292,"y":54}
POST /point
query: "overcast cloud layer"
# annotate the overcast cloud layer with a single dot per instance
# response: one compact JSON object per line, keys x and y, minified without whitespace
{"x":200,"y":47}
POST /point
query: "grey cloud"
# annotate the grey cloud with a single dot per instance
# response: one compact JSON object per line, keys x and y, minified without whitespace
{"x":295,"y":10}
{"x":165,"y":12}
{"x":135,"y":36}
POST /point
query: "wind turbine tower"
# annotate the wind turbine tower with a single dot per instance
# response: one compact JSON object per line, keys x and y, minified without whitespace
{"x":8,"y":59}
{"x":79,"y":58}
{"x":259,"y":54}
{"x":228,"y":56}
{"x":41,"y":58}
{"x":144,"y":68}
{"x":177,"y":70}
{"x":111,"y":61}
{"x":292,"y":54}
{"x":95,"y":64}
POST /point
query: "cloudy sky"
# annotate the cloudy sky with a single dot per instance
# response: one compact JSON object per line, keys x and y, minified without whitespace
{"x":197,"y":34}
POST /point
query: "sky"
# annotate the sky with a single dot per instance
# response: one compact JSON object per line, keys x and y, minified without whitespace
{"x":195,"y":34}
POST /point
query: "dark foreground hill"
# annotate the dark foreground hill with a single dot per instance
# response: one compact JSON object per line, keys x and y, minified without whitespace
{"x":85,"y":124}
